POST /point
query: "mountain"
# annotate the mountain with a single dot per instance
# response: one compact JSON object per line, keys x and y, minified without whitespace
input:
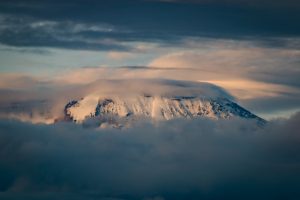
{"x":179,"y":100}
{"x":120,"y":103}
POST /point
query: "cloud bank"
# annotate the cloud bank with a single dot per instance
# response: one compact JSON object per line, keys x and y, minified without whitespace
{"x":194,"y":159}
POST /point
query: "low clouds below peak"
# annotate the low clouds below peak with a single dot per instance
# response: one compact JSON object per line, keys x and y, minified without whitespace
{"x":173,"y":160}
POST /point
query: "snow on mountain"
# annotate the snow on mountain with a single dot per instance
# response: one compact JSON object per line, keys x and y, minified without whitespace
{"x":179,"y":100}
{"x":121,"y":103}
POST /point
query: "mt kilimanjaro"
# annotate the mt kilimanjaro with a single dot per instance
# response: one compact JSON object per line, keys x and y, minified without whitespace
{"x":179,"y":99}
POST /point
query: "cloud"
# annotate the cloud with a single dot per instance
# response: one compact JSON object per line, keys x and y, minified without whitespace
{"x":44,"y":103}
{"x":119,"y":55}
{"x":17,"y":81}
{"x":253,"y":74}
{"x":255,"y":95}
{"x":27,"y":31}
{"x":78,"y":25}
{"x":285,"y":104}
{"x":255,"y":3}
{"x":263,"y":64}
{"x":249,"y":73}
{"x":178,"y":159}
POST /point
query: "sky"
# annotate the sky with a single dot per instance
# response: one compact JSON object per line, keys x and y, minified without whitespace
{"x":252,"y":49}
{"x":54,"y":51}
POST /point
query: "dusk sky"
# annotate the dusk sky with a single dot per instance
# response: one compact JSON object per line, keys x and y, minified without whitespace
{"x":252,"y":49}
{"x":65,"y":65}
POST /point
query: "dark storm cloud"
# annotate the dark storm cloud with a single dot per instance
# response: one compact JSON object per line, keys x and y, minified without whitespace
{"x":199,"y":159}
{"x":146,"y":21}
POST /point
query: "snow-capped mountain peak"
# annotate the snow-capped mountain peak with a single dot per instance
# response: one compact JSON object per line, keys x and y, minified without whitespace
{"x":119,"y":110}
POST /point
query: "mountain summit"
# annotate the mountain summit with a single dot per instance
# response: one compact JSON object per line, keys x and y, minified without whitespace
{"x":176,"y":99}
